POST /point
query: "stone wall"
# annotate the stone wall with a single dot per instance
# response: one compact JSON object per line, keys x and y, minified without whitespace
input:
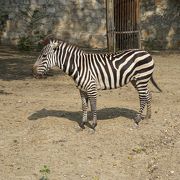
{"x":160,"y":24}
{"x":82,"y":22}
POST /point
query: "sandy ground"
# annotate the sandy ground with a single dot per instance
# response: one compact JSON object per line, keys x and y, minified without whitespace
{"x":39,"y":126}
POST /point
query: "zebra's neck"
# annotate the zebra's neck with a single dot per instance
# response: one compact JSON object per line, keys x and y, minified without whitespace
{"x":68,"y":56}
{"x":80,"y":65}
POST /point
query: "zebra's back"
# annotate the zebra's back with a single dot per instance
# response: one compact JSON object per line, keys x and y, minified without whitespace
{"x":115,"y":70}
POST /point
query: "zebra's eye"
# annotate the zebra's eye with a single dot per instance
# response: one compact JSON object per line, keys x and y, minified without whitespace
{"x":44,"y":55}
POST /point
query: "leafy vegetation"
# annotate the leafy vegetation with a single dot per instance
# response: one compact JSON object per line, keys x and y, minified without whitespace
{"x":44,"y":171}
{"x":3,"y":18}
{"x":33,"y":18}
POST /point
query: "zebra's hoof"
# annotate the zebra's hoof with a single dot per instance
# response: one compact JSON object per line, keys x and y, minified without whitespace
{"x":82,"y":125}
{"x":137,"y":119}
{"x":93,"y":125}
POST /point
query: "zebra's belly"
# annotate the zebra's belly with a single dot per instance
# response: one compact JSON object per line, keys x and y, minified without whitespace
{"x":103,"y":86}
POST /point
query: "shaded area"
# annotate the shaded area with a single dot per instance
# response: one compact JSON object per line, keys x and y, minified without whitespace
{"x":15,"y":65}
{"x":103,"y":114}
{"x":2,"y":92}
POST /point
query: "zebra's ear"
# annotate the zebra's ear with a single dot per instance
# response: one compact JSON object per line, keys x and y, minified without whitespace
{"x":54,"y":44}
{"x":46,"y":40}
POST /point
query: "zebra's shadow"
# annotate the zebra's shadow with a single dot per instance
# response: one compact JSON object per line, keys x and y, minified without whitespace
{"x":103,"y":114}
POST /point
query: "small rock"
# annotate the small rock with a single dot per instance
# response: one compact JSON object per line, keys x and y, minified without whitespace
{"x":15,"y":141}
{"x":89,"y":157}
{"x":83,"y":176}
{"x":114,"y":164}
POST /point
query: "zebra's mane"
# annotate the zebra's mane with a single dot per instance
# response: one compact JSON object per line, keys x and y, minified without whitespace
{"x":60,"y":41}
{"x":57,"y":40}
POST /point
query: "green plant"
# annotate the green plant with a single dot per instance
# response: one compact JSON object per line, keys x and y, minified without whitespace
{"x":32,"y":18}
{"x":139,"y":150}
{"x":3,"y":19}
{"x":44,"y":171}
{"x":25,"y":43}
{"x":96,"y":178}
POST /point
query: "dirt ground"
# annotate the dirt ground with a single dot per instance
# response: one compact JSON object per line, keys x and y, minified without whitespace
{"x":39,"y":126}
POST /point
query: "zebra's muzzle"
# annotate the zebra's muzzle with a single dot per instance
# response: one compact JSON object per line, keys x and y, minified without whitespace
{"x":38,"y":75}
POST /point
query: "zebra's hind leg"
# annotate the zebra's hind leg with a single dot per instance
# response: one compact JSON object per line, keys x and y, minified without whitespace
{"x":149,"y":97}
{"x":143,"y":102}
{"x":84,"y":98}
{"x":143,"y":93}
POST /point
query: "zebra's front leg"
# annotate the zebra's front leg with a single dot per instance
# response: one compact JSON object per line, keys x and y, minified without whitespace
{"x":92,"y":96}
{"x":84,"y":99}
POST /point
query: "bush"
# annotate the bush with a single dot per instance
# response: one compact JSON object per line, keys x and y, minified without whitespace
{"x":25,"y":43}
{"x":33,"y":35}
{"x":28,"y":43}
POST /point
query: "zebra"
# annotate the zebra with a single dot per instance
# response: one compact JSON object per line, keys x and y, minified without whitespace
{"x":99,"y":71}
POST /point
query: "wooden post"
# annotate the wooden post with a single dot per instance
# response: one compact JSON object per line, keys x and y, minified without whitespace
{"x":138,"y":22}
{"x":110,"y":25}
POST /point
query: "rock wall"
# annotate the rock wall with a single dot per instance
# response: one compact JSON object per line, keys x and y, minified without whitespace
{"x":82,"y":22}
{"x":160,"y":24}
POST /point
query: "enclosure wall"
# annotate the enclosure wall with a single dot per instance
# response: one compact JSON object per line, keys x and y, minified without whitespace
{"x":82,"y":22}
{"x":160,"y":24}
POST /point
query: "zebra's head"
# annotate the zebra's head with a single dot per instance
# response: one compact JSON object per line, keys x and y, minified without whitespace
{"x":46,"y":60}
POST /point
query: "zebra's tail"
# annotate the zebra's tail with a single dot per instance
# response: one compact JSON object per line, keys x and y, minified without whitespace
{"x":155,"y":84}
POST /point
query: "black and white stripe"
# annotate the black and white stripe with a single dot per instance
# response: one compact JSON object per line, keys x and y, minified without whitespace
{"x":92,"y":71}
